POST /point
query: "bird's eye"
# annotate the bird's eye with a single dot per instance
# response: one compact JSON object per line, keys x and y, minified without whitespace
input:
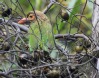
{"x":30,"y":16}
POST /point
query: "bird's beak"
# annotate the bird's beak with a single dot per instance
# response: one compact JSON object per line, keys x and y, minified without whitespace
{"x":23,"y":21}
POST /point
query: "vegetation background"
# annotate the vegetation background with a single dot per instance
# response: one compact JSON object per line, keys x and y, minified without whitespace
{"x":67,"y":64}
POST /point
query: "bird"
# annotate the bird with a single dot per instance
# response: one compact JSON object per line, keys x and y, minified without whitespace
{"x":40,"y":31}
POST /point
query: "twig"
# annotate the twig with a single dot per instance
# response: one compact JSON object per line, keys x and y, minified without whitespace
{"x":4,"y":75}
{"x":16,"y":25}
{"x":58,"y":36}
{"x":82,"y":14}
{"x":49,"y":6}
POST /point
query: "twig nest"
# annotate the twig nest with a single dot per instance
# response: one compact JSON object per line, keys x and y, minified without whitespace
{"x":25,"y":60}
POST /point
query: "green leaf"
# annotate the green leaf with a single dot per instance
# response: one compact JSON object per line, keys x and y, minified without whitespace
{"x":75,"y":4}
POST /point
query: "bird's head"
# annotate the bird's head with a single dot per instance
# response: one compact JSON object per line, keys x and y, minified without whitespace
{"x":33,"y":16}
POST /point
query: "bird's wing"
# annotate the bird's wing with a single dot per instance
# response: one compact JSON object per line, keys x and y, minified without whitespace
{"x":47,"y":36}
{"x":33,"y":37}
